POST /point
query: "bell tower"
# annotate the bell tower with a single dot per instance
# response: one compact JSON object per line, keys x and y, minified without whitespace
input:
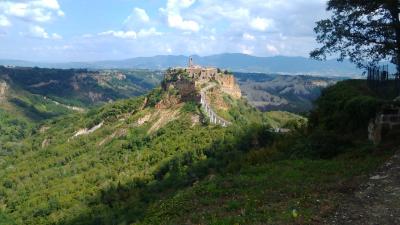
{"x":190,"y":62}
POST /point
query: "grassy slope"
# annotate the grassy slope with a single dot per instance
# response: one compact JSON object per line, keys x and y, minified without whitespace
{"x":286,"y":183}
{"x":179,"y":174}
{"x":79,"y":180}
{"x":267,"y":192}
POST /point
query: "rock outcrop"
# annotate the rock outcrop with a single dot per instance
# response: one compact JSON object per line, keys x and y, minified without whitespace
{"x":229,"y":85}
{"x":3,"y":90}
{"x":385,"y":122}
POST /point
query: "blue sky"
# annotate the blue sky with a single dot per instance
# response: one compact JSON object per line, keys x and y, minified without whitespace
{"x":90,"y":30}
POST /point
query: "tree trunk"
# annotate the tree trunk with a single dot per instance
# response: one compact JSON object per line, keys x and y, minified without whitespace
{"x":394,"y":11}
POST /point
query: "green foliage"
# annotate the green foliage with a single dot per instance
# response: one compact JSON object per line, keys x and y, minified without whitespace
{"x":342,"y":115}
{"x":12,"y":130}
{"x":126,"y":172}
{"x":111,"y":112}
{"x":366,"y":32}
{"x":266,"y":193}
{"x":190,"y":106}
{"x":155,"y":96}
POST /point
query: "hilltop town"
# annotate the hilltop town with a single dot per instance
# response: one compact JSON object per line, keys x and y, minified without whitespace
{"x":190,"y":80}
{"x":196,"y":83}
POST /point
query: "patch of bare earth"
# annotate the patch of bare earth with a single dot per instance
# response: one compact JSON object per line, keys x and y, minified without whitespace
{"x":3,"y":90}
{"x":117,"y":134}
{"x":162,"y":117}
{"x":195,"y":120}
{"x":376,"y":202}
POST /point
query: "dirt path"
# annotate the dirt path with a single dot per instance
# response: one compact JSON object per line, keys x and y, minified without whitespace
{"x":376,"y":202}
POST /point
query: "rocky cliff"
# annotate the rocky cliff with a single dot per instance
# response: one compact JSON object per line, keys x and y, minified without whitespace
{"x":3,"y":90}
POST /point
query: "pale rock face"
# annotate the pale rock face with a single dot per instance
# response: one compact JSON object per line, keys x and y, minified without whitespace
{"x":3,"y":90}
{"x":229,"y":85}
{"x":86,"y":131}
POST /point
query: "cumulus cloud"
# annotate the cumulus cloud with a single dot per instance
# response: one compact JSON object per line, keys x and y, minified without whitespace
{"x":130,"y":34}
{"x":272,"y":49}
{"x":120,"y":34}
{"x":4,"y":22}
{"x":32,"y":10}
{"x":261,"y":24}
{"x":174,"y":17}
{"x":40,"y":32}
{"x":141,"y":14}
{"x":148,"y":32}
{"x":248,"y":37}
{"x":176,"y":21}
{"x":136,"y":18}
{"x":204,"y":27}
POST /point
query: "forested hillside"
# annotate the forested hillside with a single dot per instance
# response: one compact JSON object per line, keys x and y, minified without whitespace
{"x":156,"y":159}
{"x":130,"y":162}
{"x":104,"y":166}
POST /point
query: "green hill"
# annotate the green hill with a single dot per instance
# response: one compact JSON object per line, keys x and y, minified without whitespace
{"x":30,"y":96}
{"x":68,"y":169}
{"x":156,"y":160}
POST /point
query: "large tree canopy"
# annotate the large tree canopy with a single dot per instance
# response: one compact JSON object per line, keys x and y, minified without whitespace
{"x":364,"y":31}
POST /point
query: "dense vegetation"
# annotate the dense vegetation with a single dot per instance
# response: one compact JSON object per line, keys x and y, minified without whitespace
{"x":160,"y":166}
{"x":342,"y":115}
{"x":12,"y":131}
{"x":101,"y":177}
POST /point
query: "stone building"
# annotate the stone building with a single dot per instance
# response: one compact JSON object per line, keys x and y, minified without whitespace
{"x":189,"y":81}
{"x":387,"y":121}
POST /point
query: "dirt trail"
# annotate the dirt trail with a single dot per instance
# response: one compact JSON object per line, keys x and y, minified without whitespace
{"x":377,"y":202}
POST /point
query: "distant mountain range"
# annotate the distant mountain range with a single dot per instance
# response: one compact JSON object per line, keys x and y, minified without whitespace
{"x":232,"y":61}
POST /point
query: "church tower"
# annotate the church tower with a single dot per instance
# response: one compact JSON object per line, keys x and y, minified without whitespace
{"x":190,"y":62}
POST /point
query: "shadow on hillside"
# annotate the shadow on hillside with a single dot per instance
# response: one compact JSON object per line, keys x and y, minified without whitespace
{"x":128,"y":203}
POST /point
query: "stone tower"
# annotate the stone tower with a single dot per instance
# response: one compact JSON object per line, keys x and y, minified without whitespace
{"x":190,"y":62}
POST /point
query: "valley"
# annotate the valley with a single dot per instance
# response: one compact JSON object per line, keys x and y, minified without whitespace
{"x":193,"y":142}
{"x":73,"y":163}
{"x":283,"y":92}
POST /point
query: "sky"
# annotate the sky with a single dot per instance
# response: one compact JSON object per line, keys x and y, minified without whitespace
{"x":92,"y":30}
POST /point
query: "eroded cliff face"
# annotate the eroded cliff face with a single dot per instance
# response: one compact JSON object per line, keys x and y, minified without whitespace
{"x":189,"y":81}
{"x":229,"y":85}
{"x":3,"y":90}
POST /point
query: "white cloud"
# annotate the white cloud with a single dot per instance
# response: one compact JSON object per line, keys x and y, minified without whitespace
{"x":204,"y":27}
{"x":174,"y":17}
{"x":40,"y":32}
{"x":56,"y":36}
{"x":272,"y":49}
{"x":248,"y":37}
{"x":148,"y":32}
{"x":129,"y":34}
{"x":32,"y":10}
{"x":261,"y":24}
{"x":176,"y":21}
{"x":176,"y":4}
{"x":4,"y":22}
{"x":120,"y":34}
{"x":137,"y":17}
{"x":141,"y":14}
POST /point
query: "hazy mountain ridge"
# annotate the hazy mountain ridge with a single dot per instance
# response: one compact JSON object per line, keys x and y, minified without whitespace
{"x":233,"y":62}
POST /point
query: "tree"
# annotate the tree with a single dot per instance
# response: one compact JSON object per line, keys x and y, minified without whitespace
{"x":364,"y":31}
